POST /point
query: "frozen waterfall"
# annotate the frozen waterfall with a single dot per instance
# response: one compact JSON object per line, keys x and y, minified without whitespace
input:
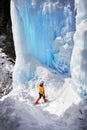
{"x":79,"y":55}
{"x":44,"y":30}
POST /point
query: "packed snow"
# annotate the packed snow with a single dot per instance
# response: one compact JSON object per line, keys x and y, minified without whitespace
{"x":63,"y":111}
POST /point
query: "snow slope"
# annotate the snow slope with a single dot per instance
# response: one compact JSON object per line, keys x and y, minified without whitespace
{"x":61,"y":112}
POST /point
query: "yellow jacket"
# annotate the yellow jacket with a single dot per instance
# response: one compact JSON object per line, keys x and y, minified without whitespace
{"x":41,"y":90}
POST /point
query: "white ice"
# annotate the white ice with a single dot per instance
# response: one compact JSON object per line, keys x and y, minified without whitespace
{"x":79,"y":55}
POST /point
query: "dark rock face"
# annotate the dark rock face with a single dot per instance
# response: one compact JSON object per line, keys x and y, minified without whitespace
{"x":5,"y":28}
{"x":4,"y":15}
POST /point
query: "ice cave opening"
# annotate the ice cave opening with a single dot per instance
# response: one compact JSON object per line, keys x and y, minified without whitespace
{"x":47,"y":30}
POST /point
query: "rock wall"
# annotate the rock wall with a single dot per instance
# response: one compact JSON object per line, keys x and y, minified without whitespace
{"x":5,"y":28}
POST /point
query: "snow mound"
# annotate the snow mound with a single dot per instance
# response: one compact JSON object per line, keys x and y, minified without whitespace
{"x":18,"y":112}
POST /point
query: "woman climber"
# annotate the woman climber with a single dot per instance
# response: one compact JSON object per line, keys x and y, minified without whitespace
{"x":41,"y":93}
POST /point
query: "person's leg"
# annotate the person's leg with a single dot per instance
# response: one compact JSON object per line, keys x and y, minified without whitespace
{"x":40,"y":95}
{"x":45,"y":100}
{"x":37,"y":101}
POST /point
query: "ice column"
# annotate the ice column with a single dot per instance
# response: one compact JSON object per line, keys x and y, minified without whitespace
{"x":79,"y":55}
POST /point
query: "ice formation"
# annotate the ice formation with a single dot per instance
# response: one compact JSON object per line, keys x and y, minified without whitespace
{"x":79,"y":55}
{"x":43,"y":29}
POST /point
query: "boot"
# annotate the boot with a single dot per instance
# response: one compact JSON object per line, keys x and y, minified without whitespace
{"x":45,"y":100}
{"x":37,"y":101}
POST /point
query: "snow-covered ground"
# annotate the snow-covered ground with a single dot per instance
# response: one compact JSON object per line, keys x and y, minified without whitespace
{"x":65,"y":109}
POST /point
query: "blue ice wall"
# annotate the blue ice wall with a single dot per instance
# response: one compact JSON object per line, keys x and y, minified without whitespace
{"x":79,"y":55}
{"x":36,"y":24}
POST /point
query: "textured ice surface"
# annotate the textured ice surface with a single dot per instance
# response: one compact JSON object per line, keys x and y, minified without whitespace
{"x":36,"y":26}
{"x":79,"y":56}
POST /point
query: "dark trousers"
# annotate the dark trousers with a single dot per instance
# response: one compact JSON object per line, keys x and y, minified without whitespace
{"x":41,"y":95}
